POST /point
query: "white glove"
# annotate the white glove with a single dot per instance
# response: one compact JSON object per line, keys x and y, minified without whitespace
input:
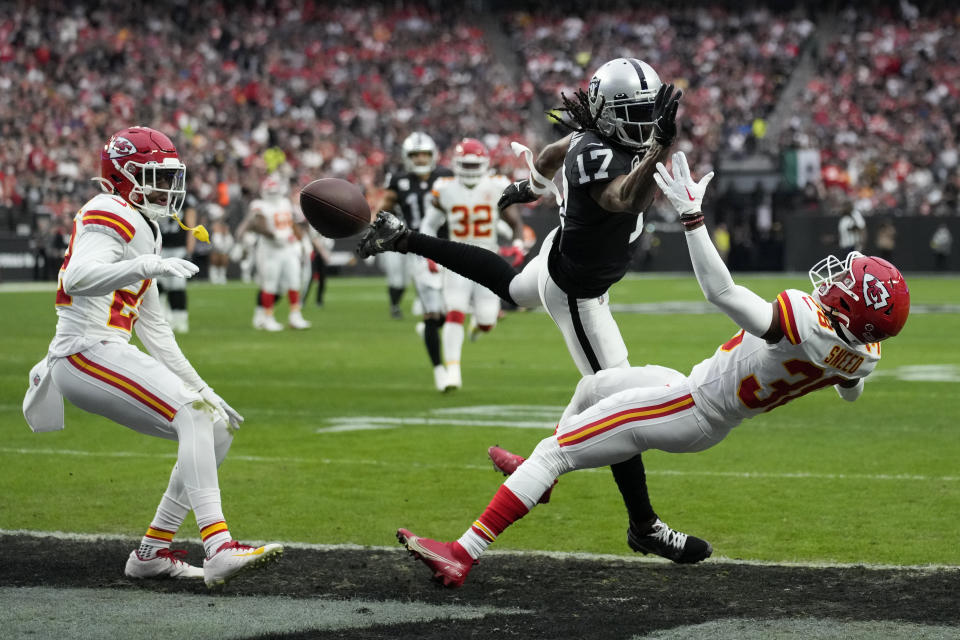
{"x":153,"y":266}
{"x":221,"y":409}
{"x":684,"y":194}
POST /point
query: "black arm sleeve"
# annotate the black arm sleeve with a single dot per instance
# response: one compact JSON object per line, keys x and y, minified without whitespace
{"x":473,"y":263}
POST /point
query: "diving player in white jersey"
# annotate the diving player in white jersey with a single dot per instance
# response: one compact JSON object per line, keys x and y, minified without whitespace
{"x":107,"y":287}
{"x":785,"y":349}
{"x":467,"y":204}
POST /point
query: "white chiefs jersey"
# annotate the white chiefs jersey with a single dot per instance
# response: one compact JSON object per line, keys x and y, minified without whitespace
{"x":279,"y":215}
{"x":472,"y":213}
{"x":85,"y":320}
{"x":748,"y":376}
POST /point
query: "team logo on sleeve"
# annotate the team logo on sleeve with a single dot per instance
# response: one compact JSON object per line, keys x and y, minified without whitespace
{"x":121,"y":147}
{"x":875,"y":294}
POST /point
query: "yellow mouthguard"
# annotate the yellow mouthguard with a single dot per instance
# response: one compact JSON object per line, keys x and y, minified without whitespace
{"x":199,"y":231}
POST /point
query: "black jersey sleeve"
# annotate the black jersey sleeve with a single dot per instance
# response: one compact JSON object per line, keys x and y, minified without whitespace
{"x":591,"y":160}
{"x":390,"y":181}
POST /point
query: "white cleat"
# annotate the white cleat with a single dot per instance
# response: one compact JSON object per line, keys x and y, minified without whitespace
{"x":420,"y":327}
{"x":258,"y":318}
{"x":270,"y":324}
{"x":166,"y":564}
{"x":440,"y":377}
{"x":233,"y":557}
{"x":454,"y":380}
{"x":297,"y":321}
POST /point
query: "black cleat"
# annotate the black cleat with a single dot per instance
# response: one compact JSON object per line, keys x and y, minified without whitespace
{"x":663,"y":541}
{"x":383,"y":234}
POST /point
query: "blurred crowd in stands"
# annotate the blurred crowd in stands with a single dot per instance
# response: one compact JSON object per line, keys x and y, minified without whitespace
{"x":883,"y":108}
{"x":731,"y":65}
{"x":321,"y":89}
{"x":242,"y":88}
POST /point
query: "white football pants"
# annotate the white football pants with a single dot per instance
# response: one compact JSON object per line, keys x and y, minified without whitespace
{"x":613,"y":416}
{"x":592,"y":335}
{"x":119,"y":382}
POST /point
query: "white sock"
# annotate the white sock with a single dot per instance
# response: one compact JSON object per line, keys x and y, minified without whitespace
{"x":209,"y":513}
{"x":170,"y":515}
{"x":473,"y":543}
{"x":452,"y":342}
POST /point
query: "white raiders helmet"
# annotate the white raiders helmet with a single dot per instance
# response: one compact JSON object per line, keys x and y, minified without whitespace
{"x":627,"y":89}
{"x":419,"y":142}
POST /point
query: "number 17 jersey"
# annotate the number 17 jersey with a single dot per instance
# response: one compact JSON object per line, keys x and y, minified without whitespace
{"x":748,"y":376}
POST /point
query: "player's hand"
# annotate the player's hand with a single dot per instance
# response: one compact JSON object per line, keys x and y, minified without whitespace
{"x":154,"y":266}
{"x":684,"y":194}
{"x":665,"y":114}
{"x":517,"y":193}
{"x":514,"y":254}
{"x":221,"y":409}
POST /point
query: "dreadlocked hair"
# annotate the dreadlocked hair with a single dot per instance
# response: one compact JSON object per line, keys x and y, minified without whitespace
{"x":578,"y":113}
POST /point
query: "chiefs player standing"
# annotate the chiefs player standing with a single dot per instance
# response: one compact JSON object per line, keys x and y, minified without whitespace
{"x":107,"y":288}
{"x":786,"y":349}
{"x":467,"y":204}
{"x":279,"y":225}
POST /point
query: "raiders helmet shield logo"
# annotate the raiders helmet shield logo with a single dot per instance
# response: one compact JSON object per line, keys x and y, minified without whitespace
{"x":593,"y":89}
{"x":875,"y":294}
{"x":120,"y":147}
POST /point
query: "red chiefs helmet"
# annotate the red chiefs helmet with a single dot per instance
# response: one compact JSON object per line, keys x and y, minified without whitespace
{"x":867,"y":295}
{"x":274,"y":186}
{"x":471,"y":161}
{"x":142,"y":166}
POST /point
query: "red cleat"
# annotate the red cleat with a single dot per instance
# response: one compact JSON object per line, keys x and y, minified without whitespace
{"x":506,"y":463}
{"x":449,"y":561}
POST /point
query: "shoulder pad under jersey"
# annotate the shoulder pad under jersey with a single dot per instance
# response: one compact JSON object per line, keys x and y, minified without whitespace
{"x":801,"y":318}
{"x":111,"y":215}
{"x":594,"y":160}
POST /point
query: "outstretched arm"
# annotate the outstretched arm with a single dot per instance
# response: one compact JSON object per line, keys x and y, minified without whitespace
{"x":743,"y":306}
{"x":551,"y":156}
{"x":634,"y":192}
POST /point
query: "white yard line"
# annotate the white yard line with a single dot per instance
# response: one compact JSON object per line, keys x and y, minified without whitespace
{"x":747,"y":475}
{"x":558,"y":555}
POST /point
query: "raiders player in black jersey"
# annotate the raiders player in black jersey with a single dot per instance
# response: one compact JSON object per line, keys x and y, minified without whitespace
{"x":177,"y":243}
{"x":409,"y":192}
{"x":622,"y":126}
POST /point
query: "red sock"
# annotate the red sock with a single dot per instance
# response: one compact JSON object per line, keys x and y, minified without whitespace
{"x":267,"y":299}
{"x":294,"y":296}
{"x":503,"y":510}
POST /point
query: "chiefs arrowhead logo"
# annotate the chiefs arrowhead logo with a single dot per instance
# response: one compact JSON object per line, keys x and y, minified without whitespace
{"x":121,"y":147}
{"x":875,"y":294}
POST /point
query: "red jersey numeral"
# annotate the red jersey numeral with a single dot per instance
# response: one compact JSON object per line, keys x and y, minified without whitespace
{"x":476,"y":224}
{"x":124,"y":310}
{"x":780,"y":392}
{"x":62,"y":298}
{"x":282,"y":220}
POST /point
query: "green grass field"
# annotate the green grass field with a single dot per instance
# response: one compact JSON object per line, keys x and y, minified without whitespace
{"x":346,"y":439}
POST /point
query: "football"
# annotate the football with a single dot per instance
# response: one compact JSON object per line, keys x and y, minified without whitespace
{"x":334,"y":207}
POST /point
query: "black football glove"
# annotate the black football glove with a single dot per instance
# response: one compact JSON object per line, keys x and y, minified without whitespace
{"x":517,"y":193}
{"x":665,"y":114}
